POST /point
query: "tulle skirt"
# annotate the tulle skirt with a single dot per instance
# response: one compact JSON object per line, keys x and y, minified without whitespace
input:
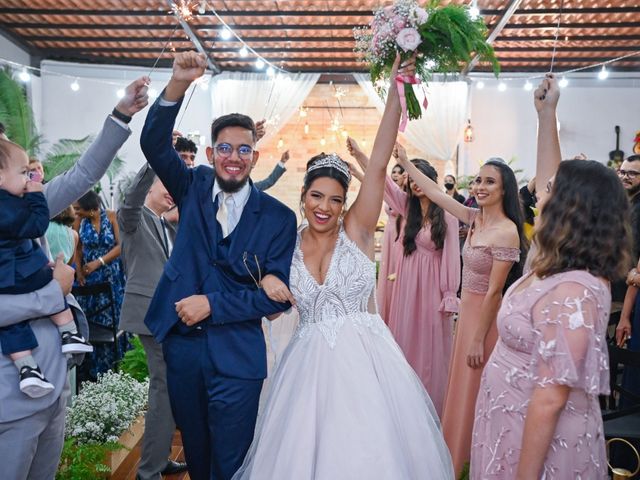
{"x":343,"y":403}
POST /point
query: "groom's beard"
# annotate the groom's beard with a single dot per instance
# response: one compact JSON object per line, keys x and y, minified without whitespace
{"x":231,"y":186}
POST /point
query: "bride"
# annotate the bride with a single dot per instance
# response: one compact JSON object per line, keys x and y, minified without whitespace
{"x":343,"y":402}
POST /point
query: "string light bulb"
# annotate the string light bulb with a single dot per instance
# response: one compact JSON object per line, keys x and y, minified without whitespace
{"x":604,"y":73}
{"x":323,"y":142}
{"x":75,"y":86}
{"x":563,"y":82}
{"x":306,"y":128}
{"x":502,"y":87}
{"x":270,"y":71}
{"x":244,"y":51}
{"x":202,"y":9}
{"x":120,"y":93}
{"x":226,"y":34}
{"x":24,"y":76}
{"x":528,"y":86}
{"x":280,"y":144}
{"x":259,"y":63}
{"x":480,"y":85}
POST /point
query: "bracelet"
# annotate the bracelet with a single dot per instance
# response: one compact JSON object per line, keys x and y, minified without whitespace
{"x":120,"y":116}
{"x":101,"y":261}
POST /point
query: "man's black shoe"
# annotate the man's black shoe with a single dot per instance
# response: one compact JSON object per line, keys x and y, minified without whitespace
{"x":174,"y":467}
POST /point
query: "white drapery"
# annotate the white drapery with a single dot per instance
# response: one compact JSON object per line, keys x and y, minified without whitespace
{"x":260,"y":96}
{"x":441,"y":127}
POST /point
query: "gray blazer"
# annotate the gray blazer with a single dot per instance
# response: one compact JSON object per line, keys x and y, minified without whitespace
{"x":143,"y":251}
{"x":271,"y":180}
{"x":60,"y":192}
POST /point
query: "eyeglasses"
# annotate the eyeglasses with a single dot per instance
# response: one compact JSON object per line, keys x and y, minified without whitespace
{"x":632,"y":174}
{"x":225,"y":150}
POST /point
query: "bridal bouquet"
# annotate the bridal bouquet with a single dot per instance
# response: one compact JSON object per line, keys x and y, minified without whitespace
{"x":443,"y":37}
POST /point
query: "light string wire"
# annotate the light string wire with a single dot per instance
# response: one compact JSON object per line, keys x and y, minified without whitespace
{"x":555,"y":40}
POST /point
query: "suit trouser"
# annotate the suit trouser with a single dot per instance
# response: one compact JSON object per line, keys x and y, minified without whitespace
{"x":30,"y":448}
{"x":159,"y":426}
{"x":215,"y":414}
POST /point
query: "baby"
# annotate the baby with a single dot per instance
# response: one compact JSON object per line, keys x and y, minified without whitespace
{"x":24,"y":267}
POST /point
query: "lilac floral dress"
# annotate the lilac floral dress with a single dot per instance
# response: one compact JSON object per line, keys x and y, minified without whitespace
{"x":550,"y":333}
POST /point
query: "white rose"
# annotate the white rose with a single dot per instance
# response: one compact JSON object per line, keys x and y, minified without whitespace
{"x":408,"y":39}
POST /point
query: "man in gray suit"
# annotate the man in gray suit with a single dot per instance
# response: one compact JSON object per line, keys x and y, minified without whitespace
{"x":147,"y":239}
{"x":32,"y":430}
{"x":275,"y":174}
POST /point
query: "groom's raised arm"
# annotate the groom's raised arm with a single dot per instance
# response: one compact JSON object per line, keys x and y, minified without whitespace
{"x":156,"y":140}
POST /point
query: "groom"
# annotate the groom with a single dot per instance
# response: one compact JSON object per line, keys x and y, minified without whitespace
{"x":208,"y":305}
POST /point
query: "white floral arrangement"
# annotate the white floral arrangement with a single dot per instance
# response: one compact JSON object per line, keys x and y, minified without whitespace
{"x":104,"y":410}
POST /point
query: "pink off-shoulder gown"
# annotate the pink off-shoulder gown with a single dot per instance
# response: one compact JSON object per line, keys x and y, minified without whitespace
{"x":464,"y":381}
{"x":551,"y":333}
{"x":423,"y":298}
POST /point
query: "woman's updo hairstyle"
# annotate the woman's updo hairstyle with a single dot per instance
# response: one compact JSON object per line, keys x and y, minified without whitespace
{"x":330,"y":166}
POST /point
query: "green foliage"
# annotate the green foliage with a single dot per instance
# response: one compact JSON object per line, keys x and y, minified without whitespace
{"x":64,"y":154}
{"x":80,"y":462}
{"x":450,"y":37}
{"x":16,"y":114}
{"x":134,"y":361}
{"x":464,"y":475}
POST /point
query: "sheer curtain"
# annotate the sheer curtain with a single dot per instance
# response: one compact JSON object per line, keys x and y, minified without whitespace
{"x":260,"y":96}
{"x":441,"y":127}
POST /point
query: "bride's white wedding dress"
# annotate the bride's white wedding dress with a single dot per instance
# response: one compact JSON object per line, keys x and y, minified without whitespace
{"x":343,"y":401}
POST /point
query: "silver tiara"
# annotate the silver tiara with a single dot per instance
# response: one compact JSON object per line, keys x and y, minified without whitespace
{"x":332,"y":161}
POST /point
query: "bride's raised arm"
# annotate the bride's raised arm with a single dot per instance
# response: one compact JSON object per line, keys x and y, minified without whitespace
{"x":360,"y":222}
{"x":432,"y":190}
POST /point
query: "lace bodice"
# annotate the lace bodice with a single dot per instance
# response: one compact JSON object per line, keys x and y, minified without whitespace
{"x":347,"y":292}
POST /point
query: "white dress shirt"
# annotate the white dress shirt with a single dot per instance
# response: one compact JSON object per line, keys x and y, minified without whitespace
{"x":235,"y":203}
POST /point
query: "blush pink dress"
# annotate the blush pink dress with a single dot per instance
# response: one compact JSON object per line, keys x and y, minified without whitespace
{"x":551,"y":333}
{"x":423,"y":298}
{"x":391,"y":250}
{"x":464,"y":381}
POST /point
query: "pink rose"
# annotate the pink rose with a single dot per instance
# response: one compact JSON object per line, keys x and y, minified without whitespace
{"x":388,"y":11}
{"x":421,"y":15}
{"x":398,"y":24}
{"x":408,"y":39}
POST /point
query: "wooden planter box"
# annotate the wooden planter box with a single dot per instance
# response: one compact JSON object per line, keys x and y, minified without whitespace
{"x":129,"y":440}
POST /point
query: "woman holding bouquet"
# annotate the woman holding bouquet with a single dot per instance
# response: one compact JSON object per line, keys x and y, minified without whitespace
{"x":343,"y":402}
{"x":491,"y":257}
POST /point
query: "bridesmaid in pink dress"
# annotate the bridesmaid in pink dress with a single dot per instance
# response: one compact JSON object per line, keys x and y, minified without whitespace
{"x":491,"y":259}
{"x":391,"y":250}
{"x":541,"y":386}
{"x":424,"y":297}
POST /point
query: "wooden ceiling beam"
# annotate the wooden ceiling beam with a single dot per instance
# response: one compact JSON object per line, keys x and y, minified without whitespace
{"x":349,"y":38}
{"x":157,"y":49}
{"x":295,"y":13}
{"x":279,"y":27}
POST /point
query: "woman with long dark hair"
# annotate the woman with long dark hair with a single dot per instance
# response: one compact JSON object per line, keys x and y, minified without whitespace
{"x":423,"y":297}
{"x":492,"y":261}
{"x":538,"y":414}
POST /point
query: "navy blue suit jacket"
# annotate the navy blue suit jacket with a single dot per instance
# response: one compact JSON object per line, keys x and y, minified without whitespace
{"x":22,"y":220}
{"x":266,"y":232}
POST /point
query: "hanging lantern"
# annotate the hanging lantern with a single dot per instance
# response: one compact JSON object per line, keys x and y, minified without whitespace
{"x":468,"y":132}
